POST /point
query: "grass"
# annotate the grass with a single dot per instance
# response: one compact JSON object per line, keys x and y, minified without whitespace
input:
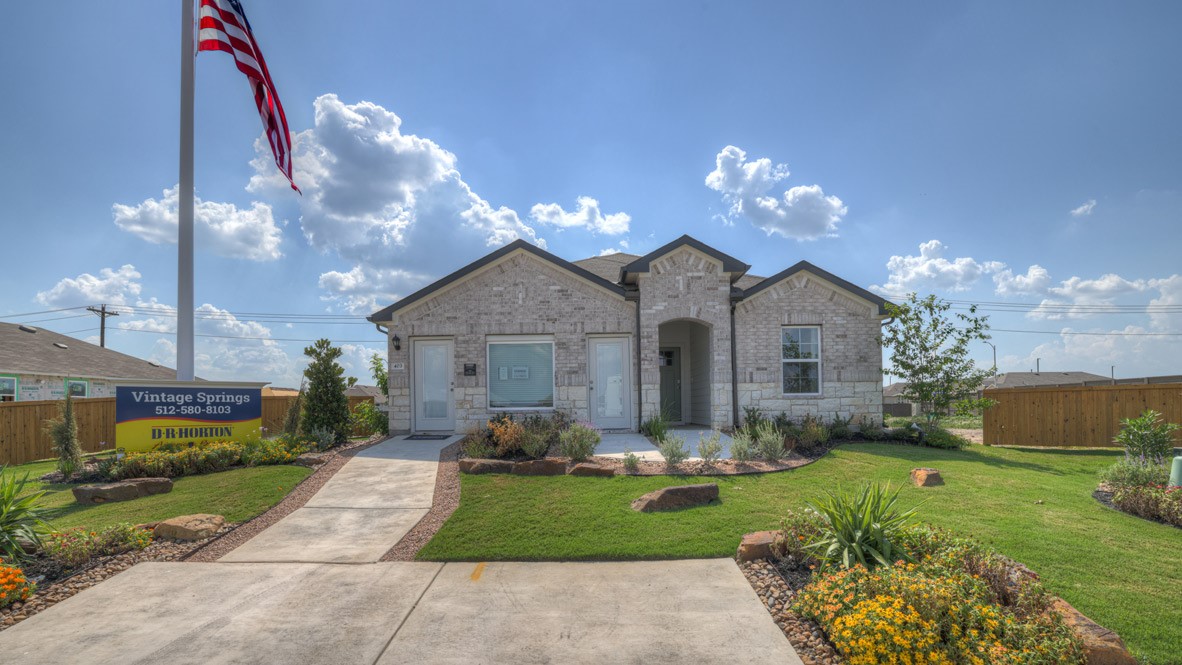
{"x":238,"y":495}
{"x":947,"y":422}
{"x":1032,"y":505}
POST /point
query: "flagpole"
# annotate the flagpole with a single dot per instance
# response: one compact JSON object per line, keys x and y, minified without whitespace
{"x":184,"y":284}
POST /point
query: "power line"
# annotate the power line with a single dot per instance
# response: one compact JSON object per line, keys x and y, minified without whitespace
{"x":44,"y":311}
{"x":1098,"y":334}
{"x":271,"y":339}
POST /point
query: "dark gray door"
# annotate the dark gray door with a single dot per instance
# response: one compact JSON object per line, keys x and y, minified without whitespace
{"x":671,"y":383}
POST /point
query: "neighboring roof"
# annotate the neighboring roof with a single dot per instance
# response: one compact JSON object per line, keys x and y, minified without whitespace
{"x":54,"y":354}
{"x":748,"y":281}
{"x":895,"y":389}
{"x":385,"y":314}
{"x":279,"y":392}
{"x":729,"y":263}
{"x":823,"y":274}
{"x":607,"y":266}
{"x":358,"y":390}
{"x":1029,"y":379}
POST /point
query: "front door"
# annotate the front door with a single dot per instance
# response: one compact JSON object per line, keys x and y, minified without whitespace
{"x":609,"y":385}
{"x":433,"y":385}
{"x":671,"y":384}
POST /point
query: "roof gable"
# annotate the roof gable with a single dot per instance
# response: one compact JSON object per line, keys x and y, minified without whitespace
{"x":644,"y":264}
{"x":53,"y":354}
{"x":805,"y":266}
{"x":387,"y":314}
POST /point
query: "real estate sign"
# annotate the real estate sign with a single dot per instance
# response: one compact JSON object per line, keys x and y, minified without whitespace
{"x":149,"y":415}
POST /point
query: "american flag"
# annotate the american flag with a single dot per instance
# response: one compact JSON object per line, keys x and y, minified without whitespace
{"x":223,"y":27}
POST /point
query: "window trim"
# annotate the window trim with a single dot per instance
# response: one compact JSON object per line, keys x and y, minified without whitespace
{"x":818,"y":361}
{"x":16,"y":386}
{"x":86,"y":382}
{"x":490,"y":340}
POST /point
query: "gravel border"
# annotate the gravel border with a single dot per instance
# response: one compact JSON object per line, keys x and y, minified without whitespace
{"x":726,"y":467}
{"x":444,"y":502}
{"x":299,"y":495}
{"x":777,"y":594}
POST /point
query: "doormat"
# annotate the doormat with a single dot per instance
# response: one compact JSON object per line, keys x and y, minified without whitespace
{"x":428,"y":437}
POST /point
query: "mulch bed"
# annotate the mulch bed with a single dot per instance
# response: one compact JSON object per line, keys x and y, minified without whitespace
{"x":777,"y":586}
{"x":225,"y":543}
{"x":443,"y":504}
{"x":1104,"y":493}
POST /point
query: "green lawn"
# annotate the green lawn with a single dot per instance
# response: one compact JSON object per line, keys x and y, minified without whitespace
{"x":952,"y":422}
{"x":1124,"y":572}
{"x":237,"y":495}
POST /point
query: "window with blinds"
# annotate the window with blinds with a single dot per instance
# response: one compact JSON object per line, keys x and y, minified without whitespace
{"x":521,"y":374}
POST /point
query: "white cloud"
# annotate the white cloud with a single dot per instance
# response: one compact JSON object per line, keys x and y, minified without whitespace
{"x":803,"y":212}
{"x":1036,"y":281}
{"x":1079,"y":298}
{"x":364,"y":290}
{"x":222,"y":228}
{"x":114,"y":287}
{"x":1085,"y":209}
{"x":389,"y":203}
{"x":931,"y":270}
{"x":355,"y":361}
{"x":1133,"y":349}
{"x":587,"y":216}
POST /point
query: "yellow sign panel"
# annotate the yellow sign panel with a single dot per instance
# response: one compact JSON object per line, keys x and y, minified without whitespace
{"x":146,"y":417}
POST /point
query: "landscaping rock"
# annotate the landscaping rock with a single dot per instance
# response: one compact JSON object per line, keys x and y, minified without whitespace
{"x":588,"y":469}
{"x":1101,"y":646}
{"x":758,"y":545}
{"x":190,"y":527}
{"x":926,"y":477}
{"x":540,"y":467}
{"x":311,"y":460}
{"x":672,"y":498}
{"x":124,"y":490}
{"x":478,"y":466}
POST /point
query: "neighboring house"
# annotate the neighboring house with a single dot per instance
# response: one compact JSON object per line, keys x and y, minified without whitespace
{"x":617,"y":339}
{"x":358,"y":390}
{"x":1036,"y":379}
{"x":893,"y":403}
{"x":38,"y":364}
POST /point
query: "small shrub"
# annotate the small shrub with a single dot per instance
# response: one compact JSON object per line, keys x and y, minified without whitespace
{"x":839,"y":429}
{"x":73,"y":547}
{"x":742,"y":448}
{"x":870,"y":430}
{"x":271,"y":451}
{"x":631,"y":461}
{"x":710,"y":447}
{"x":1146,"y":436}
{"x":535,"y":443}
{"x":63,"y":432}
{"x":674,"y":450}
{"x":506,"y":435}
{"x":291,"y":421}
{"x":813,"y":433}
{"x":477,"y":447}
{"x":578,"y":441}
{"x":863,"y":528}
{"x":323,"y":438}
{"x":20,"y":518}
{"x":797,"y":530}
{"x":1154,"y":502}
{"x":14,"y":586}
{"x":656,"y":427}
{"x":902,"y":435}
{"x":769,"y":441}
{"x":367,"y":419}
{"x":938,"y":437}
{"x":783,"y":422}
{"x":1136,"y":471}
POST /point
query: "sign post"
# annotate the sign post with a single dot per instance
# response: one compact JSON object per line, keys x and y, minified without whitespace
{"x":151,"y":413}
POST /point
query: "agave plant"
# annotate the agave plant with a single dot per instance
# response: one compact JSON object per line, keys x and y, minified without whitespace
{"x":20,"y":519}
{"x":862,"y":528}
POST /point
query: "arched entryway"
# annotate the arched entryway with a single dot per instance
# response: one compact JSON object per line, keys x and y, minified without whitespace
{"x":685,"y":368}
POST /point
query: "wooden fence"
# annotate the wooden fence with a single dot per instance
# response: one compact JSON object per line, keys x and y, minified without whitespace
{"x":1086,"y":416}
{"x":22,"y":424}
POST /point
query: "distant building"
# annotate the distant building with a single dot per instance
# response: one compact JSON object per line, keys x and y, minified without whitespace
{"x":367,"y":391}
{"x":39,"y":364}
{"x":1033,"y":379}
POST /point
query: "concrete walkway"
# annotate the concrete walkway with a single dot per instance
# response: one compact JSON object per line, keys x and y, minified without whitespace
{"x":360,"y":513}
{"x":618,"y":444}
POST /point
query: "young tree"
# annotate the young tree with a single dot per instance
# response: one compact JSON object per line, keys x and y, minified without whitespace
{"x":63,"y":431}
{"x":291,"y":422}
{"x":381,"y":375}
{"x":325,"y":403}
{"x":930,"y":351}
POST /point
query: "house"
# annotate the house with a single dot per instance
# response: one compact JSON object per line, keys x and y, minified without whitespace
{"x":1037,"y":379}
{"x":358,"y":390}
{"x":39,"y":364}
{"x":618,"y":339}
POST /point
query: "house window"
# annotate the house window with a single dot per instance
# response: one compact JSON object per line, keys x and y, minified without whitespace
{"x":78,"y":387}
{"x":521,"y":373}
{"x":7,"y":388}
{"x":801,"y":356}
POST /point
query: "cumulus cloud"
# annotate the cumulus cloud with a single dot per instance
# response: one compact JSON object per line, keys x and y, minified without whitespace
{"x":1036,"y":281}
{"x":803,"y":212}
{"x":1079,"y":298}
{"x":223,"y":228}
{"x":383,"y":200}
{"x":587,"y":215}
{"x":1133,"y":349}
{"x":116,"y":287}
{"x":364,"y":290}
{"x":931,"y":270}
{"x":355,"y":360}
{"x":1085,"y":209}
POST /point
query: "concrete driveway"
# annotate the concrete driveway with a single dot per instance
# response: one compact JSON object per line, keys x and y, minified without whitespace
{"x":390,"y":613}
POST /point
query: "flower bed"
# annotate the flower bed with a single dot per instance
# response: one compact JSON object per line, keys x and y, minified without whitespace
{"x":1160,"y":503}
{"x":172,"y":461}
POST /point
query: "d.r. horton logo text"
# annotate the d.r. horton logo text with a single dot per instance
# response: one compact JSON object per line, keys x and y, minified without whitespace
{"x":189,"y":432}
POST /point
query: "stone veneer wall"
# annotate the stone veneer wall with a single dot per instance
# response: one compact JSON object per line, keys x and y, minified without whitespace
{"x":686,"y":284}
{"x":851,"y":358}
{"x":519,"y":295}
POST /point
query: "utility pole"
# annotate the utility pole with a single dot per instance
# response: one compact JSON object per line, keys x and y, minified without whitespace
{"x":994,"y":354}
{"x":102,"y":314}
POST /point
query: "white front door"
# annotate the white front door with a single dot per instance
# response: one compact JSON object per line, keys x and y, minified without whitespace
{"x":434,"y":407}
{"x":610,"y":383}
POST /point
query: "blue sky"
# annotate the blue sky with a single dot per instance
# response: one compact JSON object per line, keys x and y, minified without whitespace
{"x":1019,"y":153}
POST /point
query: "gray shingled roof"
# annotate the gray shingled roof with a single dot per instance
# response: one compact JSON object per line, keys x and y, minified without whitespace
{"x":1028,"y":379}
{"x":606,"y":266}
{"x":38,"y":353}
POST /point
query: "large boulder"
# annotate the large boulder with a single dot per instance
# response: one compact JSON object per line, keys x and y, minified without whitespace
{"x":478,"y":466}
{"x":757,"y":545}
{"x":672,"y":498}
{"x":124,"y":490}
{"x":190,"y":527}
{"x":1101,"y":646}
{"x":311,"y":460}
{"x":589,"y":469}
{"x":540,"y":467}
{"x":926,"y":477}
